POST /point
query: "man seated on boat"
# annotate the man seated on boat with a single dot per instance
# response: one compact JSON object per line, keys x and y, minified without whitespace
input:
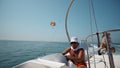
{"x":103,"y":47}
{"x":76,"y":54}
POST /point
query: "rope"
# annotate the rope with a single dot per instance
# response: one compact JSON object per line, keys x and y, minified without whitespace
{"x":91,"y":10}
{"x":91,"y":29}
{"x":104,"y":62}
{"x":67,"y":18}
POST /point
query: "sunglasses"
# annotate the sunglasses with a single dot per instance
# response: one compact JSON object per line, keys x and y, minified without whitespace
{"x":73,"y":43}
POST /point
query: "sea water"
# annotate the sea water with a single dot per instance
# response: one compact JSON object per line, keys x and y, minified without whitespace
{"x":15,"y":52}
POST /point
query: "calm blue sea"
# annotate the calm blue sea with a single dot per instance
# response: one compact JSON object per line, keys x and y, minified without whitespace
{"x":16,"y":52}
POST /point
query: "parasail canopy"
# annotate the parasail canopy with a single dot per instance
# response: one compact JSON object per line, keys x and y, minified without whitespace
{"x":52,"y":24}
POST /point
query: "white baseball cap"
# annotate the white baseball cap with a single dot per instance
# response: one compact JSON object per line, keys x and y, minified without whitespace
{"x":74,"y":39}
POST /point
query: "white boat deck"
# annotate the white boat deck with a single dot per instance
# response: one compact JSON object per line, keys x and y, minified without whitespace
{"x":101,"y":63}
{"x":42,"y":63}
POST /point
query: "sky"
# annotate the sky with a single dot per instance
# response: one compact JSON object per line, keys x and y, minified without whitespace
{"x":29,"y":20}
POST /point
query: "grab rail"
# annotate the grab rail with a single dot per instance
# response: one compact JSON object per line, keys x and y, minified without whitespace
{"x":111,"y":61}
